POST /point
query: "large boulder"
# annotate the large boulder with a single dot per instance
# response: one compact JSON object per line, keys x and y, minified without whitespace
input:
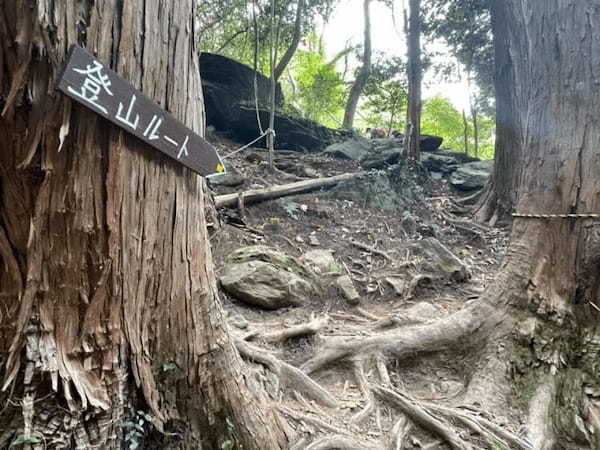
{"x":229,"y":99}
{"x":472,"y":176}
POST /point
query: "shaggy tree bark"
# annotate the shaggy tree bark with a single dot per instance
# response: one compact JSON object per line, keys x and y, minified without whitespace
{"x":413,"y":123}
{"x":363,"y":75}
{"x":547,"y":91}
{"x":108,"y":302}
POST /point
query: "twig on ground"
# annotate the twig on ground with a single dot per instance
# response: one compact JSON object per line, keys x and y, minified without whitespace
{"x":371,"y":249}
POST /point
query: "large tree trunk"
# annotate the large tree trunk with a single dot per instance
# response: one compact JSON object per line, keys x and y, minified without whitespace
{"x":363,"y":75}
{"x":413,"y":131}
{"x":551,"y":121}
{"x":107,"y":288}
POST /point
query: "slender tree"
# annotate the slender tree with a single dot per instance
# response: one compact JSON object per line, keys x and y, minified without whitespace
{"x":363,"y":74}
{"x":107,"y":292}
{"x":413,"y":123}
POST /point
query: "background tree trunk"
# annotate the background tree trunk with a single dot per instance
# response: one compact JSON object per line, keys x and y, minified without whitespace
{"x":499,"y":197}
{"x":106,"y":282}
{"x":289,"y":53}
{"x":363,"y":76}
{"x":413,"y":133}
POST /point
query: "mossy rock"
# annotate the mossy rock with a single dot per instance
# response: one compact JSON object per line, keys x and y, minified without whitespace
{"x":265,"y":285}
{"x":272,"y":256}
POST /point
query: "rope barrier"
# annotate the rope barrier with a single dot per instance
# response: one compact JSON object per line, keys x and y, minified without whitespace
{"x":266,"y":132}
{"x":557,"y":216}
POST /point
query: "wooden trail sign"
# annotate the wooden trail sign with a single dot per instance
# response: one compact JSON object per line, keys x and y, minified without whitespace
{"x":87,"y":81}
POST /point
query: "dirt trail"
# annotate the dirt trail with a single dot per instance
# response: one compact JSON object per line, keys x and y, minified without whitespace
{"x":374,"y":229}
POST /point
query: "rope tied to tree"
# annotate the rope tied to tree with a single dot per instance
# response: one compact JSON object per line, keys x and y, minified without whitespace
{"x":268,"y":131}
{"x":557,"y":216}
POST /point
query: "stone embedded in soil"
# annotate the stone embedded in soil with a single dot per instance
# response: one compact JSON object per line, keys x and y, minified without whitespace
{"x":265,"y":285}
{"x":379,"y":160}
{"x":347,"y":289}
{"x":472,"y":176}
{"x":321,"y":261}
{"x":439,"y":259}
{"x":397,"y":284}
{"x":354,"y":149}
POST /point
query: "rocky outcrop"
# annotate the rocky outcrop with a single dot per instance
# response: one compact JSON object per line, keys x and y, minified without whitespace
{"x":471,"y":176}
{"x":229,"y":99}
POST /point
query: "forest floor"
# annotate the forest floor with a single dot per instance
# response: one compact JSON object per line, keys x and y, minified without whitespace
{"x":374,"y":226}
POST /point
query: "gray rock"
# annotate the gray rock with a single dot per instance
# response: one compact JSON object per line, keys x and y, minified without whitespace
{"x":238,"y":321}
{"x":265,"y":285}
{"x":231,"y":179}
{"x":347,"y":289}
{"x":378,"y":160}
{"x":409,"y":224}
{"x":397,"y":284}
{"x":439,"y":259}
{"x":321,"y":261}
{"x":272,"y":256}
{"x":438,"y":162}
{"x":467,"y":179}
{"x":486,"y":165}
{"x":355,"y":149}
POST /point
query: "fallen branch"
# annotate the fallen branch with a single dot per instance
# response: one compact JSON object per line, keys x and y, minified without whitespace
{"x":371,"y":249}
{"x":299,"y":187}
{"x":421,"y":417}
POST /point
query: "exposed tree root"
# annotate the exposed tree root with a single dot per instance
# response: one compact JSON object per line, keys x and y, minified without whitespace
{"x":410,"y":340}
{"x":398,"y":434}
{"x":288,"y":375}
{"x":307,"y":329}
{"x":539,"y":423}
{"x":483,"y":427}
{"x":422,"y":417}
{"x":363,"y":384}
{"x":340,"y":443}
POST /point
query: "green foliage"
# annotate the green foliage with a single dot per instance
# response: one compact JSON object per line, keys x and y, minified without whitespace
{"x":320,"y":93}
{"x":465,"y":26}
{"x":227,"y":27}
{"x":136,"y":429}
{"x":441,"y":118}
{"x":385,"y":94}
